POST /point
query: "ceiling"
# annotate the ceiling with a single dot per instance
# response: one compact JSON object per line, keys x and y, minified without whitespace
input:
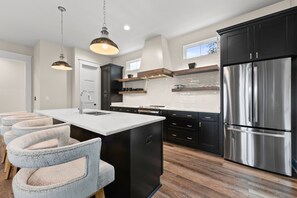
{"x":28,"y":21}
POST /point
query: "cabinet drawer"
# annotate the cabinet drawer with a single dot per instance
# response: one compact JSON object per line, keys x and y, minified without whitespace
{"x":182,"y":123}
{"x":211,"y":117}
{"x":182,"y":114}
{"x":182,"y":135}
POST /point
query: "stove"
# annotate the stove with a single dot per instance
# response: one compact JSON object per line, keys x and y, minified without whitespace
{"x":150,"y":109}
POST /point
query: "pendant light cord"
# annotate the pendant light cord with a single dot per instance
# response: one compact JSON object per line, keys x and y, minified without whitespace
{"x":62,"y":40}
{"x":104,"y":13}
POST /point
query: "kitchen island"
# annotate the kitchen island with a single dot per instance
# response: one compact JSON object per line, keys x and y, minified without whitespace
{"x":132,"y":143}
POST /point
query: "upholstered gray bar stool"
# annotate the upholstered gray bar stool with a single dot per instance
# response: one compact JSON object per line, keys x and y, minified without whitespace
{"x":2,"y":145}
{"x":7,"y":123}
{"x":30,"y":126}
{"x":68,"y":171}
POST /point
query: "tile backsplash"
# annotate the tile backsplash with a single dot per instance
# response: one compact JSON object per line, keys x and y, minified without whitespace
{"x":159,"y":92}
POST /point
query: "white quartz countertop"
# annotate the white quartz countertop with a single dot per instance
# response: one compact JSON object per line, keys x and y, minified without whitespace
{"x":108,"y":124}
{"x":169,"y":108}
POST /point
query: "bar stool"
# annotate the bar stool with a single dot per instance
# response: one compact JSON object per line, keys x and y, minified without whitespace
{"x":29,"y":126}
{"x":64,"y":172}
{"x":7,"y":123}
{"x":2,"y":145}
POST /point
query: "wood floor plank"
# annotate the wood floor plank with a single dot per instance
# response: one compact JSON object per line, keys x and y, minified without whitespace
{"x":210,"y":174}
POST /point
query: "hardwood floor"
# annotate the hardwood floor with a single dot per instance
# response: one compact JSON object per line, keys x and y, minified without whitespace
{"x":193,"y":173}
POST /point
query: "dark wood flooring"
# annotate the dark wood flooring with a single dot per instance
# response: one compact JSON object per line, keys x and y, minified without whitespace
{"x":193,"y":173}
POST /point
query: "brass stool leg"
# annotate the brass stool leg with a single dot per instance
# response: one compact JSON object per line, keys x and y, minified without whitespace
{"x":100,"y":193}
{"x":8,"y":171}
{"x":3,"y":154}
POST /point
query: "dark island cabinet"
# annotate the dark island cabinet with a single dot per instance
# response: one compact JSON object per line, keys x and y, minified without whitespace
{"x":208,"y":133}
{"x":110,"y":87}
{"x":264,"y":38}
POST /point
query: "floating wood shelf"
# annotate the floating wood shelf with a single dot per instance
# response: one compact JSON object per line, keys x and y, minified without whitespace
{"x":130,"y":79}
{"x":210,"y":88}
{"x":132,"y":92}
{"x":209,"y":68}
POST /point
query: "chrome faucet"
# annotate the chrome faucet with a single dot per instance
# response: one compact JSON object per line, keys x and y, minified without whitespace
{"x":81,"y":103}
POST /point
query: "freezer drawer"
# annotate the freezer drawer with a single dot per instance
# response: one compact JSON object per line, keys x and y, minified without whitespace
{"x":264,"y":149}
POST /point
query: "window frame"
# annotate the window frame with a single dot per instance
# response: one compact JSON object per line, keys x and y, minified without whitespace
{"x":128,"y":63}
{"x":199,"y":43}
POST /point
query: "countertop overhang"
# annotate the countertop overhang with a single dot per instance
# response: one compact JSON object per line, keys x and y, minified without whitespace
{"x":108,"y":124}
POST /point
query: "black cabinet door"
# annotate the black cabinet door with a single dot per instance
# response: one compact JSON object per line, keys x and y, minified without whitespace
{"x":110,"y":87}
{"x":146,"y":159}
{"x":237,"y":46}
{"x":105,"y":80}
{"x":272,"y":38}
{"x":208,"y":136}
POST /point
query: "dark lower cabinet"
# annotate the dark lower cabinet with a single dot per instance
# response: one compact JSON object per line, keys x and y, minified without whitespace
{"x":208,"y":136}
{"x":192,"y":129}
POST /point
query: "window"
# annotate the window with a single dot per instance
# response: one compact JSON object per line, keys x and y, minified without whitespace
{"x":133,"y":65}
{"x":201,"y":48}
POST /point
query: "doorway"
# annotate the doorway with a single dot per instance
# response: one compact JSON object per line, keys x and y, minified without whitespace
{"x":89,"y":82}
{"x":15,"y":82}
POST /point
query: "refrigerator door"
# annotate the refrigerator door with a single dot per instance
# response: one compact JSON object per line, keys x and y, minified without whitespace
{"x":264,"y":149}
{"x":238,"y":94}
{"x":272,"y":94}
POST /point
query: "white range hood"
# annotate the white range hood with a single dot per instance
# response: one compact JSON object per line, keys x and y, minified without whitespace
{"x":155,"y":59}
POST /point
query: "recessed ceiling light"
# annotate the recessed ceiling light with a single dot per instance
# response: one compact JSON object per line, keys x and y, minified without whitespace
{"x":127,"y":27}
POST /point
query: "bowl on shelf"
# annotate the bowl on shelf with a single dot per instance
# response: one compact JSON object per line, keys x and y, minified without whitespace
{"x":192,"y":65}
{"x":130,"y":75}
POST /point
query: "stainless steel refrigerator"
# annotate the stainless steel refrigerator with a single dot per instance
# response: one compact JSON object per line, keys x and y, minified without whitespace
{"x":257,"y":114}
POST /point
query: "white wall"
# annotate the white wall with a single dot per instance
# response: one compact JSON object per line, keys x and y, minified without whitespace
{"x":159,"y":91}
{"x":17,"y":48}
{"x":12,"y":85}
{"x":50,"y":86}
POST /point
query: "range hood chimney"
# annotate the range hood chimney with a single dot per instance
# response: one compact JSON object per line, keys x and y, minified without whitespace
{"x":155,"y":59}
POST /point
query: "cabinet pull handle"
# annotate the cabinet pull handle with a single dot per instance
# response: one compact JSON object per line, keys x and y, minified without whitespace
{"x":257,"y":55}
{"x":200,"y":124}
{"x":189,"y":138}
{"x":174,"y":114}
{"x":190,"y":126}
{"x":207,"y":117}
{"x":173,"y":124}
{"x":251,"y":56}
{"x":189,"y":116}
{"x":174,"y":135}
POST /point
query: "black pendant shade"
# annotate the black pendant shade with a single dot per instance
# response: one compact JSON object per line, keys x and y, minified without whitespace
{"x":103,"y":45}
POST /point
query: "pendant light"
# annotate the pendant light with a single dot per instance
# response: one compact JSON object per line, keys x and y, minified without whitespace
{"x":61,"y":64}
{"x":103,"y":45}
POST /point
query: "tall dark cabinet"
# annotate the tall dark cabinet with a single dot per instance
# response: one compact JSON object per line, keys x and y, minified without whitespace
{"x":110,"y":87}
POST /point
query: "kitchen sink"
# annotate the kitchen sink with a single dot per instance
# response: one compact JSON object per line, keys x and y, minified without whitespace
{"x":95,"y":113}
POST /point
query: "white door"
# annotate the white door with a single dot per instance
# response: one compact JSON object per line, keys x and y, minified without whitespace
{"x":89,"y":82}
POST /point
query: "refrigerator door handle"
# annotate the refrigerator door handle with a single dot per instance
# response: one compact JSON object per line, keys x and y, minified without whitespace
{"x":256,"y":133}
{"x":250,"y":93}
{"x":255,"y":94}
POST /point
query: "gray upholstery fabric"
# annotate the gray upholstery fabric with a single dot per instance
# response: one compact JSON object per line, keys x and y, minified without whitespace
{"x":88,"y":177}
{"x":29,"y":126}
{"x":2,"y":115}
